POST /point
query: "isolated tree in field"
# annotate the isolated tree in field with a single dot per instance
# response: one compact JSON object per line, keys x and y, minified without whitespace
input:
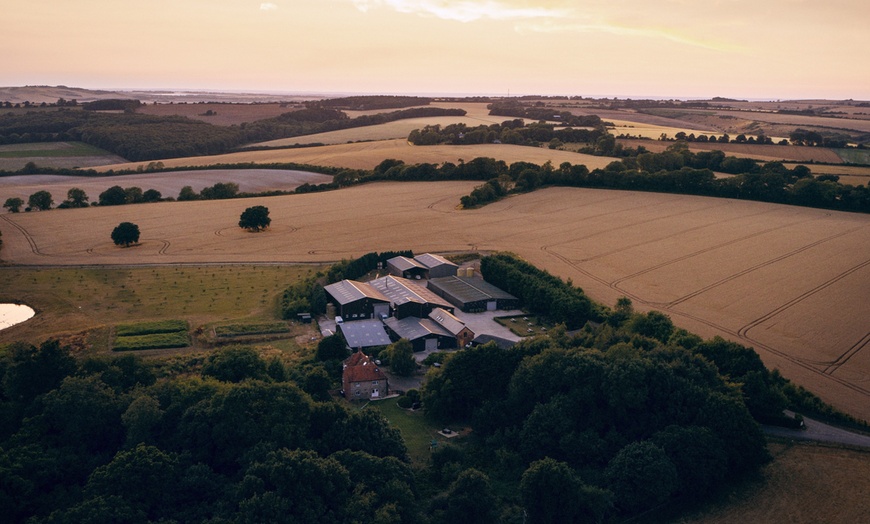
{"x":76,"y":197}
{"x":13,"y":204}
{"x":255,"y":218}
{"x":40,"y":200}
{"x":125,"y":234}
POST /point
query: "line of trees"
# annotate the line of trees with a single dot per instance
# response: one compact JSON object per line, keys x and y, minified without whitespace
{"x":680,"y":171}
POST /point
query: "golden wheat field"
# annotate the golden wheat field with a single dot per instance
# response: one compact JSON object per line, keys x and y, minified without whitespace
{"x":366,"y":155}
{"x":792,"y":282}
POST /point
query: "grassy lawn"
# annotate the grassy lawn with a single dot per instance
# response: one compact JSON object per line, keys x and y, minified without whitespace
{"x":417,"y":430}
{"x":78,"y":300}
{"x":525,"y":325}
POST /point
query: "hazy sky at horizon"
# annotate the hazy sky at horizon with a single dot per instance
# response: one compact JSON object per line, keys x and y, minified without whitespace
{"x":682,"y":48}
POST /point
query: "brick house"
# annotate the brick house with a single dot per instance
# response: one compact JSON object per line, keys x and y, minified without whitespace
{"x":362,"y":379}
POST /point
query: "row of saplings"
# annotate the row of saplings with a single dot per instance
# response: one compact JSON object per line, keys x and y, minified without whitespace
{"x":254,"y":219}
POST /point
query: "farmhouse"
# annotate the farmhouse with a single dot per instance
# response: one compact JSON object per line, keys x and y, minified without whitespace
{"x":357,"y":300}
{"x":362,"y":379}
{"x":405,"y":267}
{"x":408,"y":299}
{"x":472,"y":294}
{"x":437,"y":265}
{"x":364,"y":334}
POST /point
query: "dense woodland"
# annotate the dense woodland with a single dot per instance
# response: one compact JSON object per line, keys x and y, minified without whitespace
{"x":139,"y":137}
{"x":628,"y":416}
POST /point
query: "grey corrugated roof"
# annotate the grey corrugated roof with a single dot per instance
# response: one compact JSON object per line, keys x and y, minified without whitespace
{"x":448,"y":321}
{"x":364,"y":333}
{"x":470,"y":289}
{"x":348,"y":291}
{"x":429,"y":260}
{"x":401,"y":291}
{"x":405,"y":263}
{"x":413,"y":328}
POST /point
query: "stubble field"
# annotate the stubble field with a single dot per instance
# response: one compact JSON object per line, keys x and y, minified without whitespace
{"x":791,"y":282}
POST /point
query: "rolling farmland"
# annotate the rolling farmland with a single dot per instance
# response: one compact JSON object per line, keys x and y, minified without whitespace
{"x":791,"y":282}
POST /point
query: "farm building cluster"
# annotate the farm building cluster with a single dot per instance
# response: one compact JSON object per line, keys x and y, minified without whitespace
{"x":415,"y":301}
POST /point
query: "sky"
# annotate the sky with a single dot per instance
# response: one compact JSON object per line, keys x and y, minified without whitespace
{"x":758,"y":49}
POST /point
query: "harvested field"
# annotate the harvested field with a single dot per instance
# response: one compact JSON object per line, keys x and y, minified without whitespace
{"x":854,"y":175}
{"x":653,"y":131}
{"x":366,"y":155}
{"x":169,"y":184}
{"x":791,"y":282}
{"x":223,"y":114}
{"x":804,"y":484}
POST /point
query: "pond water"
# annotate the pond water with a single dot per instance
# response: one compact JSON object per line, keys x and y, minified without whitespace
{"x":11,"y":314}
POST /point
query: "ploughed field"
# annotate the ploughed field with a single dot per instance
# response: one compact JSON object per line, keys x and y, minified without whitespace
{"x":792,"y":282}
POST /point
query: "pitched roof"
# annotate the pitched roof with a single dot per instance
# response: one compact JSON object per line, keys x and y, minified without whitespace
{"x":470,"y":289}
{"x":405,"y":263}
{"x":413,"y":328}
{"x":360,"y":368}
{"x":448,"y":321}
{"x":401,"y":291}
{"x":348,"y":291}
{"x":429,"y":260}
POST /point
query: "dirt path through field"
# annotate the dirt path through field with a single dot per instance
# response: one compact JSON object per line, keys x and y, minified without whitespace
{"x":791,"y":282}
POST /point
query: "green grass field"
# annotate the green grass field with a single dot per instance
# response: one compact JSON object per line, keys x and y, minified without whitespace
{"x":524,"y":325}
{"x":854,"y":156}
{"x":51,"y":149}
{"x":79,"y":300}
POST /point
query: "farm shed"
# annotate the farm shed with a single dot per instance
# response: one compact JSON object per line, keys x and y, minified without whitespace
{"x":424,"y":333}
{"x":502,"y":343}
{"x":362,"y":379}
{"x":407,"y":268}
{"x":437,"y":265}
{"x":407,"y":298}
{"x":357,"y":300}
{"x":472,"y":294}
{"x":456,"y":327}
{"x":364,"y":334}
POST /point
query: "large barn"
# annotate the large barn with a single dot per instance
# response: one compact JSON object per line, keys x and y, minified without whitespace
{"x":472,"y":294}
{"x":407,"y":298}
{"x":407,"y":268}
{"x":364,"y":334}
{"x":424,"y":333}
{"x":357,"y":300}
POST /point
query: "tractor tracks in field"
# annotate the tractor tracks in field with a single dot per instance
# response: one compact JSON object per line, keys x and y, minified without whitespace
{"x":26,"y":234}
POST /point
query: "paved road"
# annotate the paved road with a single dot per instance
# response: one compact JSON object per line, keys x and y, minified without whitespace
{"x":820,"y":432}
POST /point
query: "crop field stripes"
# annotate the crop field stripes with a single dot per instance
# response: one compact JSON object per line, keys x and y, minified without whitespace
{"x":744,"y":331}
{"x":27,"y":236}
{"x":615,"y":284}
{"x":757,"y":267}
{"x":845,"y":357}
{"x":659,"y":239}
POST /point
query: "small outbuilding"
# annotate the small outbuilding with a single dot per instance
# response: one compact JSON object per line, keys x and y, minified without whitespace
{"x":456,"y":327}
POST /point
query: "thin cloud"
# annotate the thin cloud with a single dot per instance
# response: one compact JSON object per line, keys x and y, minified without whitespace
{"x":268,"y":6}
{"x":463,"y":10}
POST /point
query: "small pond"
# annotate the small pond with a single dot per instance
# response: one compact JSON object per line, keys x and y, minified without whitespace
{"x":11,"y":314}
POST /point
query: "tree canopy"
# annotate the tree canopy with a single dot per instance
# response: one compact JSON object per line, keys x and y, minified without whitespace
{"x":255,"y":218}
{"x":125,"y":233}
